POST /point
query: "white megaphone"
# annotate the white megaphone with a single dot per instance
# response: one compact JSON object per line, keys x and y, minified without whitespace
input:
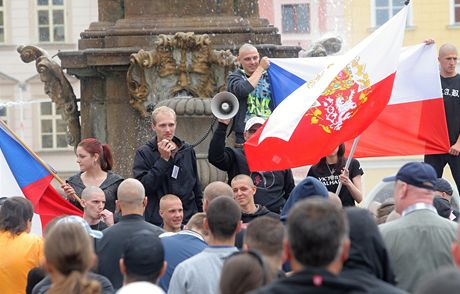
{"x":224,"y":105}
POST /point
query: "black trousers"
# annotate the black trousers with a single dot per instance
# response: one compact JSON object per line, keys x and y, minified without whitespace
{"x":439,"y":161}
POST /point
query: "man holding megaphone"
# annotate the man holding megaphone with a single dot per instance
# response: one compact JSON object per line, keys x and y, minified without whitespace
{"x":251,"y":86}
{"x":273,"y":187}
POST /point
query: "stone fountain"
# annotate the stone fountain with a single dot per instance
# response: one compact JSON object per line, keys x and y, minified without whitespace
{"x":143,"y":53}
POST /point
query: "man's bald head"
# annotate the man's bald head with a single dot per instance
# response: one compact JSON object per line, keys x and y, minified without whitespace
{"x":131,"y":191}
{"x":446,"y":48}
{"x":242,"y":177}
{"x":89,"y":191}
{"x":216,"y":189}
{"x":246,"y":48}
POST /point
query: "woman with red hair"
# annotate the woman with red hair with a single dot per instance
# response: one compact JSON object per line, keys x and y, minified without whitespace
{"x":95,"y":161}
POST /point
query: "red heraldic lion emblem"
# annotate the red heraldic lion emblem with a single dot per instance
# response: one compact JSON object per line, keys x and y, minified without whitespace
{"x":342,"y":98}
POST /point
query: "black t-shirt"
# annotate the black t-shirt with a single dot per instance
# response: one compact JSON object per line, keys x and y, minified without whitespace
{"x":330,"y":178}
{"x":99,"y":226}
{"x":451,"y":93}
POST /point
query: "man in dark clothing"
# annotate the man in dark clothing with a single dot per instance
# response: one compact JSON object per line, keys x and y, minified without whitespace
{"x":442,"y":200}
{"x":131,"y":201}
{"x":368,"y":262}
{"x":317,"y":246}
{"x":167,"y":165}
{"x":251,"y":86}
{"x":244,"y":190}
{"x":450,"y":82}
{"x":273,"y":187}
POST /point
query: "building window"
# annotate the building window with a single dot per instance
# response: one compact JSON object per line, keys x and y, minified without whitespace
{"x":3,"y":114}
{"x":51,"y":21}
{"x":2,"y":22}
{"x":52,"y":127}
{"x":385,"y":9}
{"x":456,"y":10}
{"x":296,"y":18}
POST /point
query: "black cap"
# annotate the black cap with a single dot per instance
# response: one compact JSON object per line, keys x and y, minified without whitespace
{"x":443,"y":185}
{"x":143,"y":253}
{"x":418,"y":174}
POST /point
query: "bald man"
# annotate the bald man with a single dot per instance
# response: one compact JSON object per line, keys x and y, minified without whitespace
{"x":450,"y":82}
{"x":214,"y":190}
{"x":251,"y":86}
{"x":93,"y":203}
{"x":131,"y":202}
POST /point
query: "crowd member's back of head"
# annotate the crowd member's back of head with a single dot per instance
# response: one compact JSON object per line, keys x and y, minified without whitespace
{"x":266,"y":235}
{"x":16,"y":215}
{"x":143,"y":258}
{"x":223,"y":226}
{"x":69,"y":254}
{"x":318,"y":234}
{"x":308,"y":187}
{"x":131,"y":197}
{"x":196,"y":223}
{"x":242,"y":272}
{"x":214,"y":190}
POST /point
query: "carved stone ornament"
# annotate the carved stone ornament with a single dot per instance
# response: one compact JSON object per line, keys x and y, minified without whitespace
{"x":57,"y":87}
{"x":181,"y":65}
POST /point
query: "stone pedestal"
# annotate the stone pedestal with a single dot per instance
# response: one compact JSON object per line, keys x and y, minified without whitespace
{"x":125,"y":27}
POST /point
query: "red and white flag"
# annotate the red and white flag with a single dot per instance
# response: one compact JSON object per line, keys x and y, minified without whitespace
{"x":414,"y":121}
{"x":334,"y":107}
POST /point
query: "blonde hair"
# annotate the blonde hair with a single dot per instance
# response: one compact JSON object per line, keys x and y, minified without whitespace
{"x":69,"y":250}
{"x":162,"y":109}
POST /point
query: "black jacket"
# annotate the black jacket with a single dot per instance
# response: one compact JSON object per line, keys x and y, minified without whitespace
{"x":109,"y":248}
{"x":311,"y":280}
{"x":239,"y":85}
{"x":273,"y":187}
{"x":156,"y":174}
{"x":261,"y":211}
{"x":368,"y":262}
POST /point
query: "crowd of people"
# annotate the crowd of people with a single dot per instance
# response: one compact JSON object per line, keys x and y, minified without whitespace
{"x":160,"y":232}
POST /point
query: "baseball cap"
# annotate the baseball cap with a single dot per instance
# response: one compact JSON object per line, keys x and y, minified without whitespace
{"x":143,"y":253}
{"x":79,"y":220}
{"x":253,"y":121}
{"x":418,"y":174}
{"x":443,"y":185}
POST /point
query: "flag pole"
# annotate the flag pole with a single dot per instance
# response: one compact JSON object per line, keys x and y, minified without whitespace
{"x":44,"y":164}
{"x":347,"y":164}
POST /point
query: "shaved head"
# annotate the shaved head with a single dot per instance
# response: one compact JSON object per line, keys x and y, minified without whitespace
{"x":216,"y":189}
{"x":131,"y":191}
{"x":447,"y":48}
{"x":246,"y":48}
{"x":242,"y":177}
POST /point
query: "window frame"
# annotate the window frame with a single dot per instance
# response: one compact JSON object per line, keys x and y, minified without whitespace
{"x":390,"y":8}
{"x":308,"y":12}
{"x":452,"y":7}
{"x":50,"y":8}
{"x":54,"y":117}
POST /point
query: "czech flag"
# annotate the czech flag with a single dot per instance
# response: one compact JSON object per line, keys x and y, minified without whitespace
{"x":22,"y":175}
{"x":334,"y":106}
